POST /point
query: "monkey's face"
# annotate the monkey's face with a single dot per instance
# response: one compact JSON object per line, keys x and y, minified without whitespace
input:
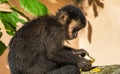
{"x":72,"y":25}
{"x":73,"y":28}
{"x":83,"y":53}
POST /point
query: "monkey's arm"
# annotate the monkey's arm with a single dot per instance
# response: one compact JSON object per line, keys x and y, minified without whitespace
{"x":65,"y":55}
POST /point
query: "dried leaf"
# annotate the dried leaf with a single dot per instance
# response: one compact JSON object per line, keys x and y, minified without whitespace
{"x":77,"y":1}
{"x":100,"y":4}
{"x":83,"y":11}
{"x":95,"y":10}
{"x":89,"y":32}
{"x":90,"y":2}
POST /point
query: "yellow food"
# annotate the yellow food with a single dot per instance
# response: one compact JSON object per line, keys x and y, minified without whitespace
{"x":95,"y":70}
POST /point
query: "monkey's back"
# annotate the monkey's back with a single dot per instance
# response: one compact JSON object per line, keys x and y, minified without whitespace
{"x":29,"y":46}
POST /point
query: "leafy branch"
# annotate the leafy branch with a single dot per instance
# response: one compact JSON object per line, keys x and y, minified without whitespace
{"x":10,"y":18}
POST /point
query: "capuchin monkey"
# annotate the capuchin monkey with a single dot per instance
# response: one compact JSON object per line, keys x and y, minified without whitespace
{"x":38,"y":46}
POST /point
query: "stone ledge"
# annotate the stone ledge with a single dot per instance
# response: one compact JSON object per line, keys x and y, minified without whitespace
{"x":108,"y":69}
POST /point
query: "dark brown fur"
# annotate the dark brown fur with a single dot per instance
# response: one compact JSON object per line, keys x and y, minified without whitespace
{"x":37,"y":47}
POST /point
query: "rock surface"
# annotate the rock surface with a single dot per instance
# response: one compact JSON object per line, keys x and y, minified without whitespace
{"x":108,"y":69}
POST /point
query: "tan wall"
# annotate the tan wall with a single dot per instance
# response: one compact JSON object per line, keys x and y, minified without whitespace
{"x":105,"y":46}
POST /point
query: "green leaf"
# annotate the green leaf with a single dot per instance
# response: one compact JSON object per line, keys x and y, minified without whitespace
{"x":35,"y":7}
{"x":19,"y":12}
{"x":2,"y":47}
{"x":10,"y":29}
{"x":9,"y":19}
{"x":3,"y":1}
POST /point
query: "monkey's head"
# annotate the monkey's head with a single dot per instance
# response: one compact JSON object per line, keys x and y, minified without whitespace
{"x":83,"y":53}
{"x":72,"y":18}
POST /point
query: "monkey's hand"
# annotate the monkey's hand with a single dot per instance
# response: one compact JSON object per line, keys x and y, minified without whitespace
{"x":84,"y":64}
{"x":85,"y":61}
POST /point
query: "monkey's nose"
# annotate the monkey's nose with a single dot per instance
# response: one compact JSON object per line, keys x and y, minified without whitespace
{"x":91,"y":59}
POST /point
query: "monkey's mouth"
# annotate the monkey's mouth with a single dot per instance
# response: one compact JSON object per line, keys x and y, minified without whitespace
{"x":72,"y":37}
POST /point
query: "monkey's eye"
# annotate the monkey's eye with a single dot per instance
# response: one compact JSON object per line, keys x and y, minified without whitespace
{"x":82,"y":55}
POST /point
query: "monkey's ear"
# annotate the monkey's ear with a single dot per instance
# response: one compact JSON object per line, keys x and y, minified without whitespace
{"x":63,"y":18}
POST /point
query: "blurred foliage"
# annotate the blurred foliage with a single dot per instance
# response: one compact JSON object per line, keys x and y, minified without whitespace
{"x":3,"y":1}
{"x":0,"y":33}
{"x":89,"y":32}
{"x":11,"y":18}
{"x":95,"y":4}
{"x":34,"y":6}
{"x":2,"y":47}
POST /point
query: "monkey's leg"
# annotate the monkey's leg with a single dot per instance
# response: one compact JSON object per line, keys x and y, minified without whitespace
{"x":68,"y":69}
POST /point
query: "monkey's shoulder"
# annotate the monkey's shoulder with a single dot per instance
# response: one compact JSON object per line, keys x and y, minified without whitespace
{"x":47,"y":20}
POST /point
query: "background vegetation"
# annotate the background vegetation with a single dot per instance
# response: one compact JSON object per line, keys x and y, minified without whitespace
{"x":10,"y":18}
